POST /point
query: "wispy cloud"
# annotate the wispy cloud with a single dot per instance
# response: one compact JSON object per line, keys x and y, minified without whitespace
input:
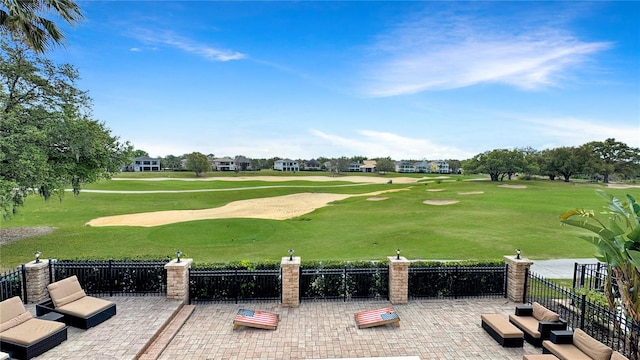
{"x":572,"y":131}
{"x":448,"y":51}
{"x":187,"y":45}
{"x":375,"y":143}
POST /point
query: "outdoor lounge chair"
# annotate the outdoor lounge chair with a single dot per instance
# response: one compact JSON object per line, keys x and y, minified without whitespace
{"x":79,"y":310}
{"x":256,"y":319}
{"x":23,"y":336}
{"x":377,"y":317}
{"x":536,"y":322}
{"x":578,"y":345}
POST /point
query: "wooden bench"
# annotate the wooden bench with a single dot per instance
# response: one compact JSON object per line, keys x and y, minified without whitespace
{"x":377,"y":317}
{"x":256,"y":319}
{"x":505,"y":333}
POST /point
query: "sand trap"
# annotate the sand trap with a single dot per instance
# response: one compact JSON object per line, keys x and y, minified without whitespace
{"x":471,"y":193}
{"x":440,"y":202}
{"x":378,"y":198}
{"x":435,"y":190}
{"x":513,"y":186}
{"x":622,"y":186}
{"x":272,"y":208}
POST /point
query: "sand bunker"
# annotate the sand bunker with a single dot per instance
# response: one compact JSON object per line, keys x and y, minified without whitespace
{"x":272,"y":208}
{"x":435,"y":190}
{"x":513,"y":186}
{"x":440,"y":202}
{"x":622,"y":186}
{"x":471,"y":193}
{"x":378,"y":198}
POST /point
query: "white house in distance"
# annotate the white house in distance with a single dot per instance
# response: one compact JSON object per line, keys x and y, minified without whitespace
{"x":368,"y":166}
{"x":286,"y":165}
{"x":224,"y":164}
{"x":144,"y":163}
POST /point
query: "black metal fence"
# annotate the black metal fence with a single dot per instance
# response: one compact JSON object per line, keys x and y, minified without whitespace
{"x":346,"y":283}
{"x":590,"y":276}
{"x":610,"y":327}
{"x":457,"y":281}
{"x":14,"y":283}
{"x":114,"y":277}
{"x":234,"y":285}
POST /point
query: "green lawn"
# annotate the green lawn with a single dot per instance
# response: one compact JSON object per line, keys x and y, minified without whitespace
{"x":481,"y":226}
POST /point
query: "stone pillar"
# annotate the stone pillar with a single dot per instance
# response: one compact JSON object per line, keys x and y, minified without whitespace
{"x":517,"y":277}
{"x":37,"y":280}
{"x":290,"y":281}
{"x":178,"y":279}
{"x":398,"y":280}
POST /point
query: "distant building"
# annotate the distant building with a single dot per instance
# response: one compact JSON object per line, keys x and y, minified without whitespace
{"x":312,"y":165}
{"x":224,"y":164}
{"x":286,"y":165}
{"x":422,"y":167}
{"x":144,"y":163}
{"x":441,"y":166}
{"x":405,"y":167}
{"x":354,"y":167}
{"x":242,"y":163}
{"x":368,"y":166}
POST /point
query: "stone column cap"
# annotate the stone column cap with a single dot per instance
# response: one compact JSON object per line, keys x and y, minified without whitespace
{"x":523,"y":261}
{"x":175,"y":264}
{"x":34,"y":265}
{"x":285,"y":260}
{"x":394,"y":259}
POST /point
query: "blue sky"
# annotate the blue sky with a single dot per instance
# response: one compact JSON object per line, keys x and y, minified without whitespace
{"x":409,"y":80}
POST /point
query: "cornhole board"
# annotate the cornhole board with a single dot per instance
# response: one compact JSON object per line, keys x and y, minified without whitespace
{"x":256,"y":319}
{"x":377,"y":317}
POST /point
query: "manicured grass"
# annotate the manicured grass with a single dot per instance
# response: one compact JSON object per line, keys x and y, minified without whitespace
{"x":481,"y":226}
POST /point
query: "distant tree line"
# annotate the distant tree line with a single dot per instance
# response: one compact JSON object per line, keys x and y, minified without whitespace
{"x":596,"y":160}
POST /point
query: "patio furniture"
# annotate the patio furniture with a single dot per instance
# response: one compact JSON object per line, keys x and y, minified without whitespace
{"x":79,"y":310}
{"x":377,"y":317}
{"x":536,"y":322}
{"x":504,"y":332}
{"x":22,"y":336}
{"x":578,"y":345}
{"x":539,"y":357}
{"x":256,"y":319}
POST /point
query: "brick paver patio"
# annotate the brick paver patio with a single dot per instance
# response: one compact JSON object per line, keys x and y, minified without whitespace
{"x":123,"y":336}
{"x":429,"y":329}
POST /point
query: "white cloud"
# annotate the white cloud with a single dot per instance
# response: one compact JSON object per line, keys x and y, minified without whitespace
{"x":203,"y":50}
{"x":381,"y":144}
{"x":574,"y":132}
{"x":187,"y":45}
{"x":135,"y":49}
{"x":439,"y":51}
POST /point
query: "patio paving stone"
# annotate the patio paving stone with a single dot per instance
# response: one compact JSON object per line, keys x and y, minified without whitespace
{"x":443,"y":329}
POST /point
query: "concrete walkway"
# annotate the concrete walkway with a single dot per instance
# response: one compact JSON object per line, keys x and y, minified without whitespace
{"x":558,"y":268}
